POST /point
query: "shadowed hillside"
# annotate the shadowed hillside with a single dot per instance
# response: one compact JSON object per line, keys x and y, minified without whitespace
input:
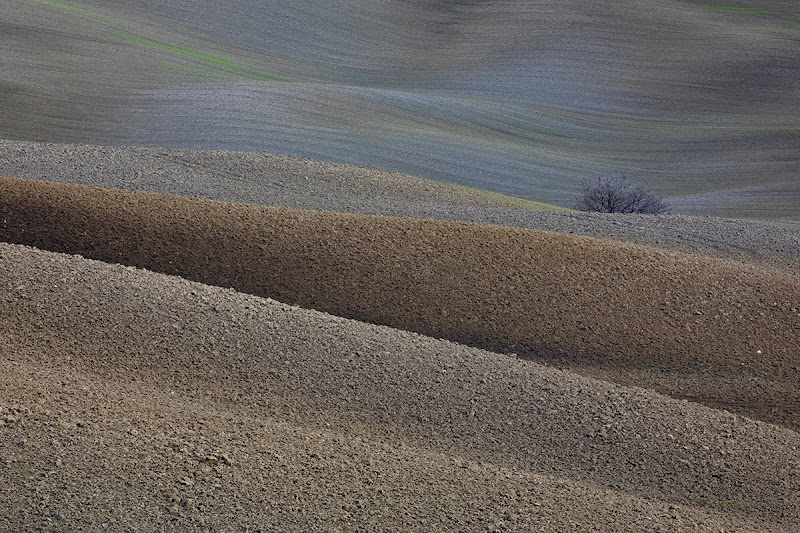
{"x":717,"y":332}
{"x":696,"y":100}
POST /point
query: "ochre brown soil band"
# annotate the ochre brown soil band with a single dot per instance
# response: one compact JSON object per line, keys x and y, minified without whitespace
{"x":714,"y":331}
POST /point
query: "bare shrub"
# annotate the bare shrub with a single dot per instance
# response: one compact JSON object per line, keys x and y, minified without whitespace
{"x":616,"y":195}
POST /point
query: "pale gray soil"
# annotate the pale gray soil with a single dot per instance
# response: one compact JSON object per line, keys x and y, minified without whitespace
{"x":136,"y":401}
{"x":524,"y":97}
{"x":293,"y":182}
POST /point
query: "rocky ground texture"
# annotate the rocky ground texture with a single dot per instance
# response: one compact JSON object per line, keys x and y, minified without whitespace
{"x":193,"y":395}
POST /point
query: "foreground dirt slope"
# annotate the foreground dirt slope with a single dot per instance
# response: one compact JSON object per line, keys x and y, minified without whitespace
{"x":131,"y":400}
{"x":717,"y":332}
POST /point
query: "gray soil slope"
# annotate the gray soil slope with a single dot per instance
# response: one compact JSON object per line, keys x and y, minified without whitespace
{"x":697,"y":100}
{"x":138,"y":401}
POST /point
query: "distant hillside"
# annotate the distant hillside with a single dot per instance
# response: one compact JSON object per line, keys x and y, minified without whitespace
{"x":696,"y":100}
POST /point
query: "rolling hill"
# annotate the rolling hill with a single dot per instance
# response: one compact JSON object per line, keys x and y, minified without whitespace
{"x":696,"y":100}
{"x":135,"y":400}
{"x":306,"y":266}
{"x":713,"y":330}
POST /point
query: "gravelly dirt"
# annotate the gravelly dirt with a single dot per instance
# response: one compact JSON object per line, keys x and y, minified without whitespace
{"x":131,"y":400}
{"x":294,"y":182}
{"x":708,"y":329}
{"x":137,"y":401}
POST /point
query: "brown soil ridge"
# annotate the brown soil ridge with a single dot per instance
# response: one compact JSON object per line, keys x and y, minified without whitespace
{"x":131,"y":400}
{"x":692,"y":327}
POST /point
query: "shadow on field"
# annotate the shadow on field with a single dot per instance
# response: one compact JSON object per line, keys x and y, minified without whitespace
{"x":717,"y":332}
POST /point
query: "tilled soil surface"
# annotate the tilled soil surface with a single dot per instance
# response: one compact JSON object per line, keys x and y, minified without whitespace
{"x":137,"y":401}
{"x":294,"y":182}
{"x":712,"y":330}
{"x":694,"y":100}
{"x":131,"y":400}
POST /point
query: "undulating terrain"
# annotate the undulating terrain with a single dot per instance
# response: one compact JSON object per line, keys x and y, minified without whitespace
{"x":138,"y":401}
{"x":143,"y":401}
{"x":696,"y":100}
{"x":259,"y":270}
{"x":714,"y":330}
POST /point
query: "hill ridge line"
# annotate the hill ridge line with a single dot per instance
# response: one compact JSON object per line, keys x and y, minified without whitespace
{"x":682,"y":325}
{"x":273,"y":361}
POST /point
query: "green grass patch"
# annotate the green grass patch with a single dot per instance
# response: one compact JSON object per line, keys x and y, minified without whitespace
{"x":219,"y":65}
{"x":222,"y":65}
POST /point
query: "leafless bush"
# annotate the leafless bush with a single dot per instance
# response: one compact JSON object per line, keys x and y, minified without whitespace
{"x":616,"y":195}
